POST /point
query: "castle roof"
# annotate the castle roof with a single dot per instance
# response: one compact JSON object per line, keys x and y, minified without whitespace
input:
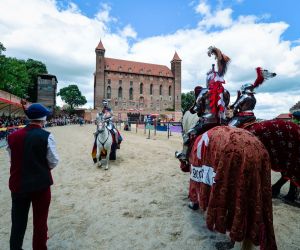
{"x":283,"y":116}
{"x":119,"y":65}
{"x":100,"y":46}
{"x":176,"y":57}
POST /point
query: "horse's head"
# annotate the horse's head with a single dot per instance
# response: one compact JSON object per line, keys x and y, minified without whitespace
{"x":101,"y":123}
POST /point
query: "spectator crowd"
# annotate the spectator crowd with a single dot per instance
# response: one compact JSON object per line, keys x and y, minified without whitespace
{"x":11,"y":124}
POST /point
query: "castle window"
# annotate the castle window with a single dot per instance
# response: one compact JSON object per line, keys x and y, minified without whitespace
{"x":120,"y":82}
{"x":141,"y":88}
{"x":131,"y":94}
{"x":160,"y":90}
{"x":108,"y":92}
{"x":108,"y":81}
{"x":170,"y":90}
{"x":120,"y":94}
{"x":151,"y":89}
{"x":131,"y":83}
{"x":141,"y":102}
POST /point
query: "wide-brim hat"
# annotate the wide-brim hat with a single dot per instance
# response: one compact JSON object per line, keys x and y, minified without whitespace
{"x":37,"y":111}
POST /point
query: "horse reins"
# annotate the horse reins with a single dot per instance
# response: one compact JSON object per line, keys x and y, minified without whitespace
{"x":106,"y":138}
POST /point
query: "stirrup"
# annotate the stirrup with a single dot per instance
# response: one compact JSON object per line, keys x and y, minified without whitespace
{"x":180,"y":156}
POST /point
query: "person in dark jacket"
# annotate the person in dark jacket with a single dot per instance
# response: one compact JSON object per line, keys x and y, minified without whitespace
{"x":33,"y":155}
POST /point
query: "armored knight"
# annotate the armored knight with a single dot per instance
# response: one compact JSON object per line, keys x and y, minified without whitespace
{"x":243,"y":106}
{"x":211,"y":102}
{"x":245,"y":103}
{"x":107,"y":114}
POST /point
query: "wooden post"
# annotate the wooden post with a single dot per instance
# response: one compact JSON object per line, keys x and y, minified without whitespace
{"x":168,"y":128}
{"x":136,"y":125}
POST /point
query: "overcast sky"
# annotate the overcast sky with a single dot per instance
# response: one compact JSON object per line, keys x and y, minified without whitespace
{"x":64,"y":34}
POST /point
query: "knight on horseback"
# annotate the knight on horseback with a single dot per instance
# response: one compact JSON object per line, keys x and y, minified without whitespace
{"x":107,"y":114}
{"x":211,"y":102}
{"x":245,"y":103}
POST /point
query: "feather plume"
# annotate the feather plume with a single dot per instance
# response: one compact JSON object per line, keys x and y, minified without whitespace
{"x":262,"y":75}
{"x":221,"y":58}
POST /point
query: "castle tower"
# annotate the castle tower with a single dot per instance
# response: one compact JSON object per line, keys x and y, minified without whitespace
{"x":176,"y":70}
{"x":99,"y":80}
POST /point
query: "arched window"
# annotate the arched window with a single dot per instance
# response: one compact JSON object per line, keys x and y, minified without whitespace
{"x":141,"y":88}
{"x":160,"y":90}
{"x":141,"y":102}
{"x":120,"y":93}
{"x":151,"y":89}
{"x":108,"y":92}
{"x":170,"y":90}
{"x":131,"y":94}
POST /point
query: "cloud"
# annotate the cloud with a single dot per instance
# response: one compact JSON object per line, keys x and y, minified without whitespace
{"x":220,"y":18}
{"x":129,"y":32}
{"x":65,"y":39}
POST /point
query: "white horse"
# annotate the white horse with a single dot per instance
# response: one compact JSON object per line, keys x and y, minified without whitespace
{"x":189,"y":121}
{"x":104,"y":140}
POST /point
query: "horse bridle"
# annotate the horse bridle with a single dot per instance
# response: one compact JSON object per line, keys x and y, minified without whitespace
{"x":100,"y":132}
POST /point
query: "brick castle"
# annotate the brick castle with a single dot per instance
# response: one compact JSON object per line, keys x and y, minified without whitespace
{"x":137,"y":87}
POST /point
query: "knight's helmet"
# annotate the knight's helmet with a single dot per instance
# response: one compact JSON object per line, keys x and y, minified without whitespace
{"x":247,"y":88}
{"x":105,"y":103}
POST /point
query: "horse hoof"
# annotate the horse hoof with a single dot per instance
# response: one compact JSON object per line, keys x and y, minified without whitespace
{"x":224,"y":245}
{"x":106,"y":168}
{"x":275,"y":194}
{"x":288,"y":199}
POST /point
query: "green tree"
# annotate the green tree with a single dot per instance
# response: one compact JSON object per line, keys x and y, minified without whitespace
{"x":2,"y":48}
{"x":15,"y":78}
{"x":72,"y":96}
{"x":187,"y":100}
{"x":2,"y":65}
{"x":19,"y":77}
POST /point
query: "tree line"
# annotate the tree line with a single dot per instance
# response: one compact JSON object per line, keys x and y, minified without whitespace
{"x":18,"y":76}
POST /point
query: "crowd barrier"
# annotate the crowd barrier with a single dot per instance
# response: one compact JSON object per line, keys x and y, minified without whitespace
{"x":169,"y":127}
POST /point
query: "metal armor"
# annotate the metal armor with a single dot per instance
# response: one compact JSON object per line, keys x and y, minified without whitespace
{"x":246,"y":102}
{"x":203,"y":108}
{"x":243,"y":110}
{"x":207,"y":118}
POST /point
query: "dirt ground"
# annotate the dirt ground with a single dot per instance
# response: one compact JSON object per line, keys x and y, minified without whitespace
{"x":139,"y":203}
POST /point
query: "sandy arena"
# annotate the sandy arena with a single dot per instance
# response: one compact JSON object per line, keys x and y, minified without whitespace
{"x":139,"y":203}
